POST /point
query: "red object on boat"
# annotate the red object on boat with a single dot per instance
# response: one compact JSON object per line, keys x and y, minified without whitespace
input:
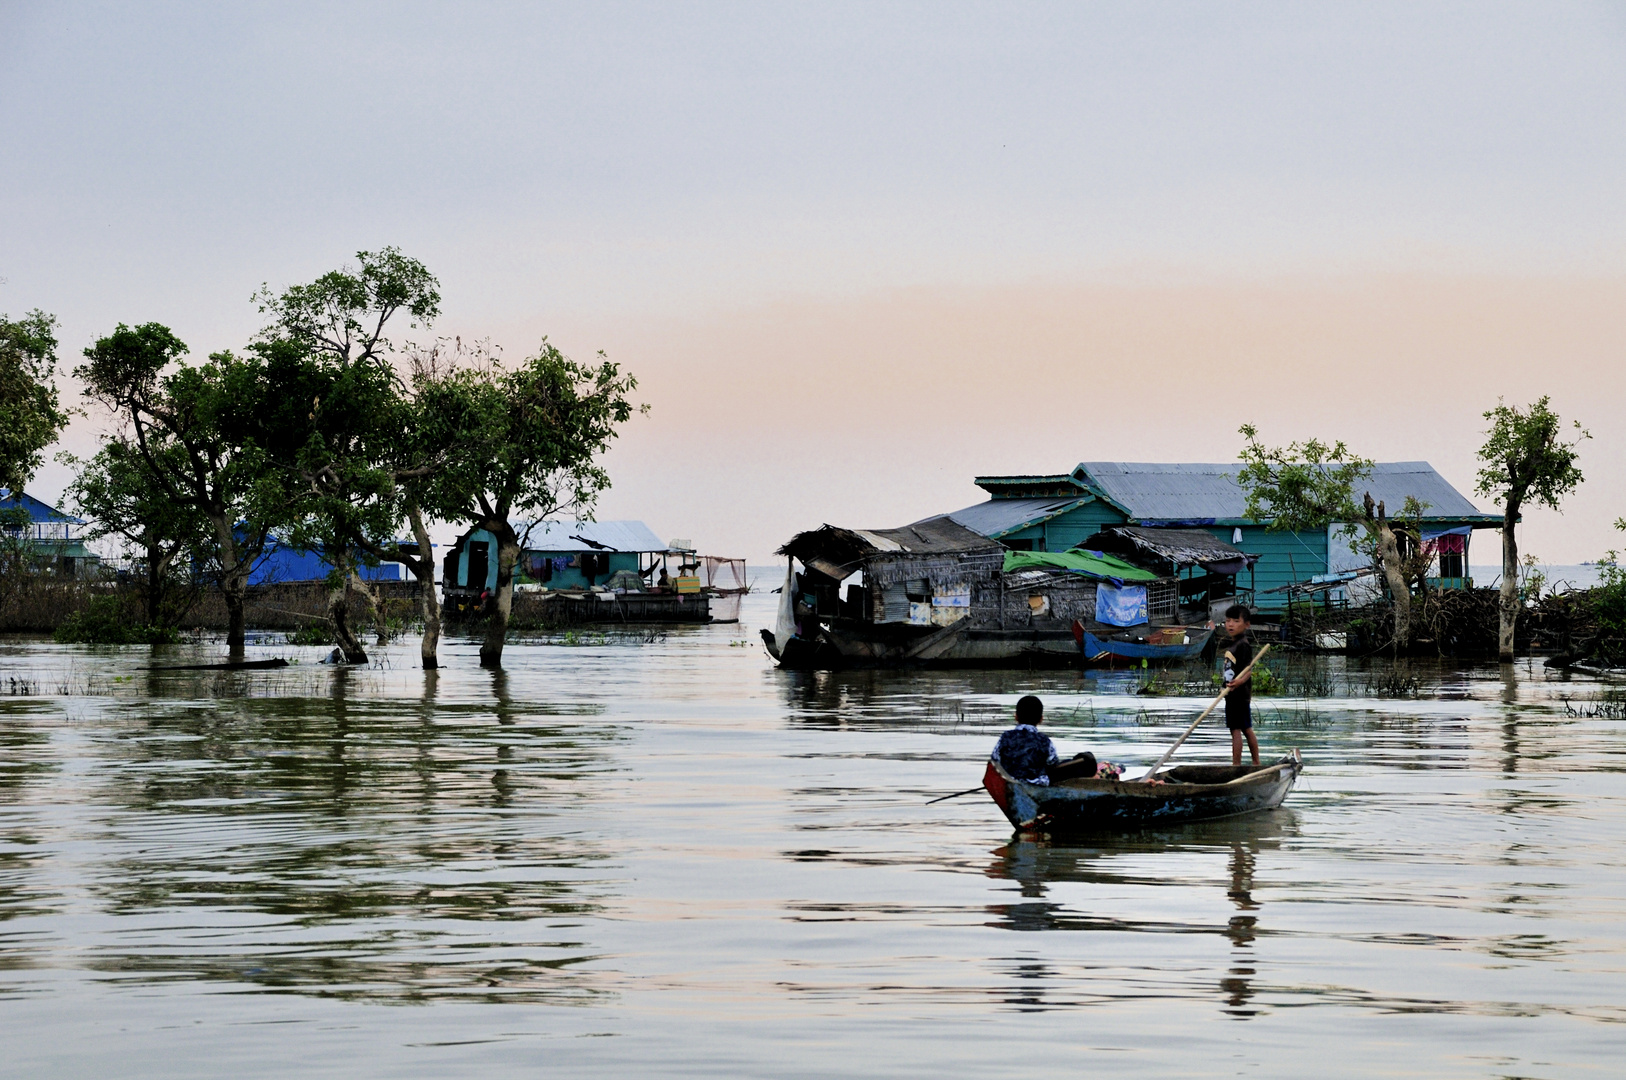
{"x":995,"y":784}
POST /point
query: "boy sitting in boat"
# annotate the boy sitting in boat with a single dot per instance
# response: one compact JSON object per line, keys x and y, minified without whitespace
{"x":1239,"y":702}
{"x":1027,"y":753}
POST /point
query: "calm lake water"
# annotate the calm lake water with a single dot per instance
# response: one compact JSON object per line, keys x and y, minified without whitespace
{"x":667,"y":858}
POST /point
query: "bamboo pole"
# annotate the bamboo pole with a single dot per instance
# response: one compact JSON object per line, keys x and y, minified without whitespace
{"x":1214,"y":705}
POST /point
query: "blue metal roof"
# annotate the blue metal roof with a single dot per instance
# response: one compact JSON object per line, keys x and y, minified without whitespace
{"x":1160,"y":491}
{"x":563,"y":536}
{"x":37,"y":511}
{"x":999,"y":517}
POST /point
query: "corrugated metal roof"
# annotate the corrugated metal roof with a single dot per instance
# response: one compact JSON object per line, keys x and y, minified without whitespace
{"x":605,"y":535}
{"x":1159,"y":491}
{"x":37,"y":511}
{"x":997,"y":517}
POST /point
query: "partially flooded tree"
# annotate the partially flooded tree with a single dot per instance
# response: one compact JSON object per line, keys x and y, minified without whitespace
{"x":1311,"y":485}
{"x":31,"y":413}
{"x":528,"y":442}
{"x":195,"y":430}
{"x":1526,"y":459}
{"x":124,"y":497}
{"x":347,"y":436}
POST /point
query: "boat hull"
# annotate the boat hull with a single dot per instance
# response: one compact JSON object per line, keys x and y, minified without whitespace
{"x":1099,"y":650}
{"x":1189,"y":793}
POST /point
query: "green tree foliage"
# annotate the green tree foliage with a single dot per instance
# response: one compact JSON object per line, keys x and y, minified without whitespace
{"x":1308,"y":486}
{"x":345,"y":428}
{"x":125,"y":497}
{"x":199,"y":431}
{"x":31,"y":413}
{"x":528,"y":442}
{"x":1525,"y":460}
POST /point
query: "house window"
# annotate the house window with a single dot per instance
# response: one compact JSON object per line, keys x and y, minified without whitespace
{"x":1019,"y":545}
{"x":1451,"y":566}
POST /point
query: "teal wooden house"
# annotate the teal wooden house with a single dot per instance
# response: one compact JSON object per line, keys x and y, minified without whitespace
{"x":564,"y":555}
{"x":1057,"y":512}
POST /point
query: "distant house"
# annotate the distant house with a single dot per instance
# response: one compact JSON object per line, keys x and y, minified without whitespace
{"x":283,"y":564}
{"x":557,"y":554}
{"x":50,"y":534}
{"x":1057,"y":512}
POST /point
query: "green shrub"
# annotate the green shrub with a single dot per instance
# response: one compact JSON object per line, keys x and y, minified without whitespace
{"x":102,"y":622}
{"x":316,"y":633}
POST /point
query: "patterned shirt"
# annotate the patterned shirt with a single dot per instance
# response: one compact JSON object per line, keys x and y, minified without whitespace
{"x":1026,"y":753}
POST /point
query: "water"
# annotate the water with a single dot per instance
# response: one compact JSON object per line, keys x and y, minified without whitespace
{"x":668,"y":858}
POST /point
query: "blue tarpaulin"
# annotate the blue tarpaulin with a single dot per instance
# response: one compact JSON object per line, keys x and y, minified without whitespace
{"x":1120,"y":607}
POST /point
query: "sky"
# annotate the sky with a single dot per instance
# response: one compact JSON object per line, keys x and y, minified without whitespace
{"x":857,"y":254}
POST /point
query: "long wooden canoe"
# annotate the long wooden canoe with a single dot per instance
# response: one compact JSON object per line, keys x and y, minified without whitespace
{"x":1188,"y":793}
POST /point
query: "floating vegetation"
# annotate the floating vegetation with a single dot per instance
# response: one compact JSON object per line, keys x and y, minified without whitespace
{"x":1610,"y":705}
{"x":1395,"y":684}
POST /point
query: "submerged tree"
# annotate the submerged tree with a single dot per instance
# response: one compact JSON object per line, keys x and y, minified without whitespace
{"x":197,"y":431}
{"x":31,"y":413}
{"x":124,"y":497}
{"x":346,"y":433}
{"x":528,"y":442}
{"x":1525,"y":460}
{"x":1311,"y":485}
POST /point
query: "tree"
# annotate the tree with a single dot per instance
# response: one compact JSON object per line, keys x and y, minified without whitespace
{"x":199,"y":434}
{"x":1525,"y":460}
{"x":1310,"y":486}
{"x":124,"y":497}
{"x":352,"y":448}
{"x":527,"y":442}
{"x":31,"y":413}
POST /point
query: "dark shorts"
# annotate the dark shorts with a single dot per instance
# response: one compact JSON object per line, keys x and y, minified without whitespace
{"x":1238,"y":711}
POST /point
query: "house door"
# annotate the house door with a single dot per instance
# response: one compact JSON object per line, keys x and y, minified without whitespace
{"x":479,"y":564}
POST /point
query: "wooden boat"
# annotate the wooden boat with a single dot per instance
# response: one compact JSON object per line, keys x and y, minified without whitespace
{"x":1188,"y":793}
{"x":1163,"y":645}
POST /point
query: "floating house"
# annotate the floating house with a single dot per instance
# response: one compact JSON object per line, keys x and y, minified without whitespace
{"x":1059,"y":512}
{"x":53,"y":536}
{"x":937,"y":593}
{"x":621,"y":565}
{"x":561,"y":555}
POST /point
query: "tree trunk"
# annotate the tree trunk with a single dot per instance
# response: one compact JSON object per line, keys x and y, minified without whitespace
{"x":155,"y":576}
{"x":423,"y":568}
{"x":1510,"y":584}
{"x":233,"y":586}
{"x":338,"y":609}
{"x":234,"y":589}
{"x":1377,"y":526}
{"x":497,"y":628}
{"x":375,"y":607}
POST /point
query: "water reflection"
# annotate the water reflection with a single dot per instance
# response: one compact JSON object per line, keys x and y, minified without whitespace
{"x":346,"y":840}
{"x":1113,"y":864}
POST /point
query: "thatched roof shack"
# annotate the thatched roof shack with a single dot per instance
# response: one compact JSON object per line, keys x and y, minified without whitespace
{"x":935,"y":549}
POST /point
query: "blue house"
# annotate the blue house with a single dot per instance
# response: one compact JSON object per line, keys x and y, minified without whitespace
{"x":283,"y":564}
{"x":52,"y":535}
{"x":1056,"y":512}
{"x":566,"y":555}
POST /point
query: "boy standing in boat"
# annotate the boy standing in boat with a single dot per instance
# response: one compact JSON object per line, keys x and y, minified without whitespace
{"x":1239,"y":702}
{"x":1027,"y":753}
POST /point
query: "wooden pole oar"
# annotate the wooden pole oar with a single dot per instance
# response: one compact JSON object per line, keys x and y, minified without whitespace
{"x":1170,"y":752}
{"x":956,"y":795}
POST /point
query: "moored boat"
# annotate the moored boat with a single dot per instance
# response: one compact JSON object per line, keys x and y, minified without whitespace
{"x":1155,"y":645}
{"x":1188,"y":793}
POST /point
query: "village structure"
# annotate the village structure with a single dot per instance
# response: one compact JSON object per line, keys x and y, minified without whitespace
{"x":1117,"y":561}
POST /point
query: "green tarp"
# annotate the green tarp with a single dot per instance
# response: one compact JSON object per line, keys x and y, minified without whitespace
{"x":1095,"y":565}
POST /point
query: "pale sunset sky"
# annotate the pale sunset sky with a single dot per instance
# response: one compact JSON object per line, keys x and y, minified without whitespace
{"x":858,"y":254}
